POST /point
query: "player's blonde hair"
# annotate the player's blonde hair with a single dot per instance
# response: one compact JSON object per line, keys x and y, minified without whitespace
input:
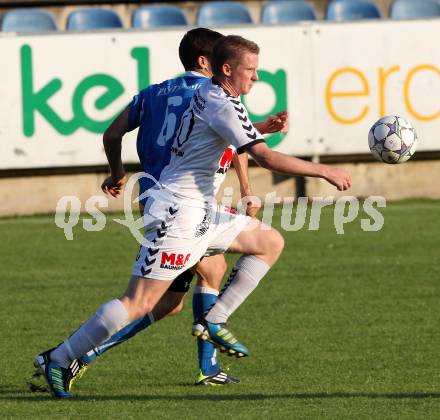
{"x":229,"y":49}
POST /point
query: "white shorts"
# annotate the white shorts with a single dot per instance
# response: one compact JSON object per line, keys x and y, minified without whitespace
{"x":178,"y":234}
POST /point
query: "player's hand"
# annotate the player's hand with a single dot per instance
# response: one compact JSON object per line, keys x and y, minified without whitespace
{"x":113,"y":187}
{"x":340,"y":178}
{"x":252,"y":208}
{"x":278,"y":122}
{"x":252,"y":205}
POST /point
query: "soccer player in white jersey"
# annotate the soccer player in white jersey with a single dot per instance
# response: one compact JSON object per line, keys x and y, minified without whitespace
{"x":182,"y":219}
{"x":214,"y":119}
{"x":154,"y":110}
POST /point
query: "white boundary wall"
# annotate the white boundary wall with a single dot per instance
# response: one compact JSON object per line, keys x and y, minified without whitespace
{"x":58,"y":92}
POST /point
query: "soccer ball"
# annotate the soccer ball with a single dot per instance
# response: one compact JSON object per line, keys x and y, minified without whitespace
{"x":392,"y":139}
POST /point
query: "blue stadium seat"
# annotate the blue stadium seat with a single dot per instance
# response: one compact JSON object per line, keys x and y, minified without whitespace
{"x":28,"y":20}
{"x":281,"y":11}
{"x":339,"y":10}
{"x":84,"y":19}
{"x":410,"y":9}
{"x":223,"y":12}
{"x":158,"y":15}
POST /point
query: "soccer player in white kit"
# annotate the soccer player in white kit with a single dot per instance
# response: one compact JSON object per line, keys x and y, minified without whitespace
{"x":216,"y":118}
{"x":182,"y":219}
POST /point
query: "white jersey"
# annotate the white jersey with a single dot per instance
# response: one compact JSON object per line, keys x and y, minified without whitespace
{"x":213,"y":121}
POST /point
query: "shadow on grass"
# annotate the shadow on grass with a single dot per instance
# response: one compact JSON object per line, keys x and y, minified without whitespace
{"x":231,"y":397}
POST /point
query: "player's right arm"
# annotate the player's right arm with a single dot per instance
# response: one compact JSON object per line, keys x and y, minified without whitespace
{"x":112,"y":140}
{"x":278,"y":122}
{"x":240,"y":162}
{"x":290,"y":165}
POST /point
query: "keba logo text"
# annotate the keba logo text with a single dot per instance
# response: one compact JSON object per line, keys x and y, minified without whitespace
{"x":174,"y":261}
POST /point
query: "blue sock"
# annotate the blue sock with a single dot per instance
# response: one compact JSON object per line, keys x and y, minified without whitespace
{"x":123,"y":335}
{"x":203,"y":299}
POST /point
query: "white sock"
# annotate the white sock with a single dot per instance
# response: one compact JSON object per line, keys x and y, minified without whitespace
{"x":109,"y":319}
{"x":244,"y":278}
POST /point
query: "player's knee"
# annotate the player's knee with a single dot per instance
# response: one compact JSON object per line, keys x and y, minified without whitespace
{"x":274,"y":243}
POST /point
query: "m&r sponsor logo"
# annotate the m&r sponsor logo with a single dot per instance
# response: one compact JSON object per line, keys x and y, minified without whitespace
{"x":174,"y":261}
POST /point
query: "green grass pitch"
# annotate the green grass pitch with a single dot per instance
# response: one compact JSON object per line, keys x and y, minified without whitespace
{"x":343,"y":327}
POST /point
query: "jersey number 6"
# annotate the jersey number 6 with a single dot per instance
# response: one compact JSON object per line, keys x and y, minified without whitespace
{"x":169,"y":122}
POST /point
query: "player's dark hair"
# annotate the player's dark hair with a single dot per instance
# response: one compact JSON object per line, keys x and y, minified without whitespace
{"x":228,"y":50}
{"x":197,"y":42}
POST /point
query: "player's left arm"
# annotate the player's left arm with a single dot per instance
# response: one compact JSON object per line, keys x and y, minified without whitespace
{"x":245,"y":137}
{"x":112,"y":140}
{"x":290,"y":165}
{"x":278,"y":122}
{"x":240,"y":162}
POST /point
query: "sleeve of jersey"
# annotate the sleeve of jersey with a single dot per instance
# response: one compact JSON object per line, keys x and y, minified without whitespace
{"x":233,"y":124}
{"x":136,"y":109}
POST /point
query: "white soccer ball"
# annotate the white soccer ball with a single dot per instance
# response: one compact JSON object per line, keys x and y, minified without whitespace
{"x":392,"y":139}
